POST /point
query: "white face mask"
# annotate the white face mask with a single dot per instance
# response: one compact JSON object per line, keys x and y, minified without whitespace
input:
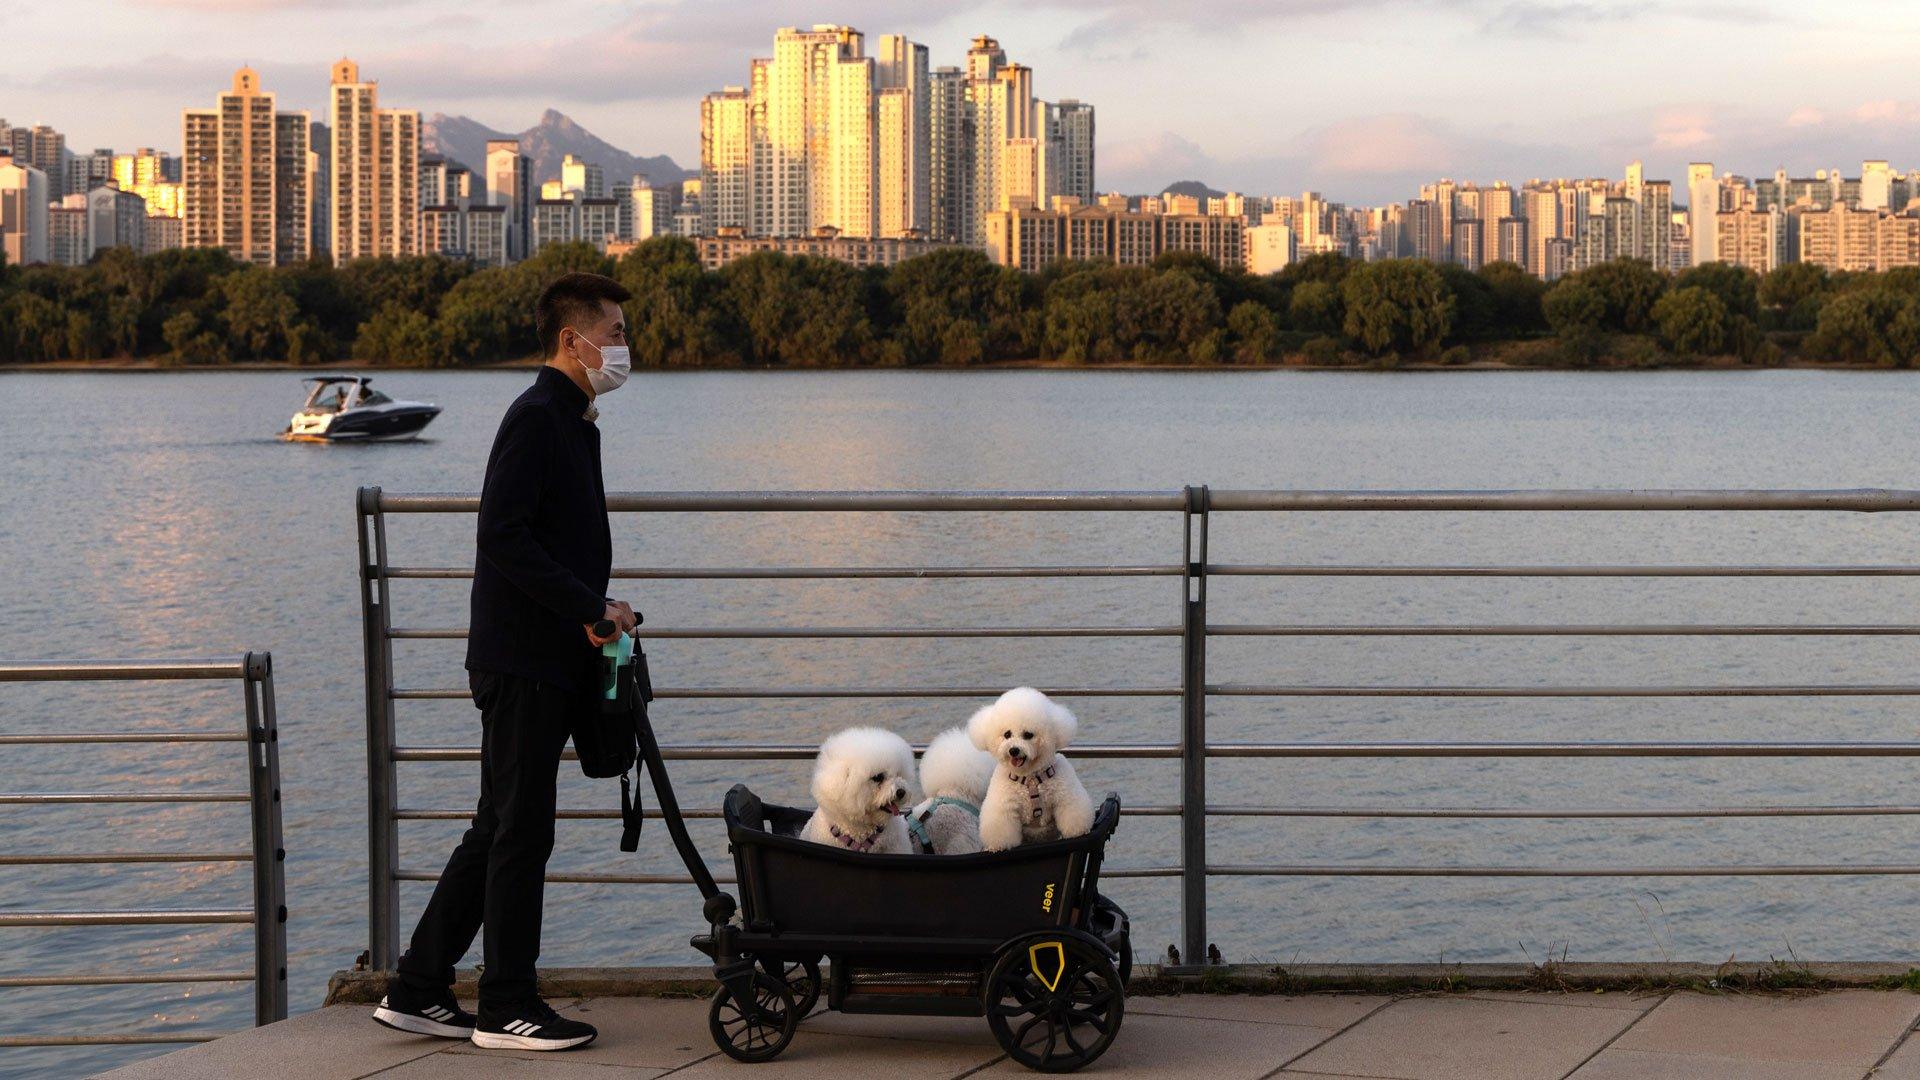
{"x":615,"y":365}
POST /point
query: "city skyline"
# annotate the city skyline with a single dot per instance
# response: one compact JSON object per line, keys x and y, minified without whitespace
{"x":1362,"y":109}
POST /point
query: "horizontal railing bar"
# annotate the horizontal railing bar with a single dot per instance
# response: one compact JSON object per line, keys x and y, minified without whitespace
{"x":1286,"y":690}
{"x":57,"y":738}
{"x":438,"y":814}
{"x":757,"y":693}
{"x":751,"y":501}
{"x":1866,"y":500}
{"x":115,"y":670}
{"x":1564,"y":749}
{"x":802,"y":573}
{"x":21,"y":1041}
{"x":568,"y":878}
{"x":1334,"y":870}
{"x":1566,"y":630}
{"x":122,"y":918}
{"x":774,"y":752}
{"x":777,"y":632}
{"x":84,"y":858}
{"x":109,"y":978}
{"x":1257,"y":570}
{"x":1551,"y":812}
{"x":38,"y":798}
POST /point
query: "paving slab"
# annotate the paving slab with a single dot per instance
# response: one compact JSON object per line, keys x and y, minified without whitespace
{"x":554,"y":1066}
{"x":1584,"y":999}
{"x":1845,"y":1027}
{"x":1456,"y":1038}
{"x":964,"y":1030}
{"x":1333,"y":1011}
{"x":340,"y":1043}
{"x":1616,"y":1064}
{"x":842,"y":1057}
{"x":656,"y":1033}
{"x":1904,"y":1064}
{"x":1177,"y":1047}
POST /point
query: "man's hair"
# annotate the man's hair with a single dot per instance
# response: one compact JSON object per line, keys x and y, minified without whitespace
{"x":571,"y":300}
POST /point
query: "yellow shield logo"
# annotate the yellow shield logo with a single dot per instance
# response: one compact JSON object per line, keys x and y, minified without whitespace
{"x":1055,"y":953}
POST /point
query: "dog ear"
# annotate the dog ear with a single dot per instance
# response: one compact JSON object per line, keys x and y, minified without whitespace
{"x":980,"y":727}
{"x":1065,"y":726}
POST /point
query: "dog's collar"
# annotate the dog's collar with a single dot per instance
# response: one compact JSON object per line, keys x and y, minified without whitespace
{"x":853,"y":843}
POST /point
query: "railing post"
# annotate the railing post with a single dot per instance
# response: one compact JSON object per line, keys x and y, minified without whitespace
{"x":383,"y":835}
{"x":269,"y":845}
{"x":1193,"y":730}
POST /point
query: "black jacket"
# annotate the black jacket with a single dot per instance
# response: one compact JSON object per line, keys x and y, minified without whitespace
{"x":544,"y":548}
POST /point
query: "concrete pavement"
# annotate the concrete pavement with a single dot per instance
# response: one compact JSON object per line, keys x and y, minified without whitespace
{"x":1483,"y":1035}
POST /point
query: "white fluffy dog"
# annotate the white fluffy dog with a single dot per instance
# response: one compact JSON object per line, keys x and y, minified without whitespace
{"x":1034,"y":795}
{"x":861,"y":780}
{"x":954,"y":774}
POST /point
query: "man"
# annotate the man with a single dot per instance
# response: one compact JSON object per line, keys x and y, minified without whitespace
{"x":539,"y":584}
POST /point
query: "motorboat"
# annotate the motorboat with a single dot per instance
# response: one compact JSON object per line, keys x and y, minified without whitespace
{"x":346,"y":408}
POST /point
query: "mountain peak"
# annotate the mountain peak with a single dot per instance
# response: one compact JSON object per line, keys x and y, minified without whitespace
{"x":548,"y":142}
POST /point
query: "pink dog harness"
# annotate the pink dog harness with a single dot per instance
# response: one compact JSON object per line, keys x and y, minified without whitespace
{"x":857,"y":844}
{"x":1032,"y":782}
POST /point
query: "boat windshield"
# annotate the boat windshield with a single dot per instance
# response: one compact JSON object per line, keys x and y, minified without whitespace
{"x":329,"y":396}
{"x":370,"y":396}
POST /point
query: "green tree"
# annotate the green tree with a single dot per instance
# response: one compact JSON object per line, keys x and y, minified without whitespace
{"x":260,"y":314}
{"x":1398,"y":306}
{"x":1866,"y":326}
{"x":1628,"y":288}
{"x":1474,"y":317}
{"x":1516,"y":297}
{"x":1574,"y":310}
{"x":1693,"y":320}
{"x":402,"y":336}
{"x":798,"y":311}
{"x":1314,"y":306}
{"x":955,"y":306}
{"x":1737,"y":287}
{"x":1256,"y":332}
{"x":675,"y":316}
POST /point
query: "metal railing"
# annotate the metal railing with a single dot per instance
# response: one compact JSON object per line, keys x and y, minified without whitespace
{"x":1194,"y":507}
{"x":267,"y":913}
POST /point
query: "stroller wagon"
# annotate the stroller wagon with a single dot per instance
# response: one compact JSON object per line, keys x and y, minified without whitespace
{"x":1021,"y":937}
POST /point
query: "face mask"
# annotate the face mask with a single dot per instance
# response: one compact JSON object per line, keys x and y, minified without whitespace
{"x":615,"y":365}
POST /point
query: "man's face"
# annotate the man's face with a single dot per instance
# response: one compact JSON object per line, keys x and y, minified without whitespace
{"x":609,"y":329}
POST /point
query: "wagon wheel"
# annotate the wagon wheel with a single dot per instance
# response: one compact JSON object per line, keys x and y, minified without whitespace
{"x":802,"y":978}
{"x":1106,"y":913}
{"x":1054,"y":1004}
{"x":757,"y":1031}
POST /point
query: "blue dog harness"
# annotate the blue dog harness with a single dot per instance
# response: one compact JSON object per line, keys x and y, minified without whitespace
{"x":917,"y":825}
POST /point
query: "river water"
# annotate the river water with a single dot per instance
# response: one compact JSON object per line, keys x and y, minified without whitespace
{"x":155,"y":514}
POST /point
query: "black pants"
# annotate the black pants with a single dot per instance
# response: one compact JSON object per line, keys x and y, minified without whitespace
{"x":497,"y":876}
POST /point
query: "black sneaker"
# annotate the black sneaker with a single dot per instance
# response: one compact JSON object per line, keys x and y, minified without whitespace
{"x":423,"y":1013}
{"x":533,"y":1026}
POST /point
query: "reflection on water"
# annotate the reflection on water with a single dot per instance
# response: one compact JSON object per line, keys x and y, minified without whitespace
{"x":155,"y":514}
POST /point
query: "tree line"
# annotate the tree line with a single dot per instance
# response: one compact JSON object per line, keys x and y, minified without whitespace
{"x":198,"y":306}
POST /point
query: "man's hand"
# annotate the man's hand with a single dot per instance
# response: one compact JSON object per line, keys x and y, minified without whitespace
{"x":620,"y":614}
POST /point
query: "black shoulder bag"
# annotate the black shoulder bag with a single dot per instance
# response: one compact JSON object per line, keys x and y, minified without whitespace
{"x":607,"y":738}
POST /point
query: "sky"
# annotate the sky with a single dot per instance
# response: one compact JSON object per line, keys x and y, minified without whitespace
{"x":1361,"y":100}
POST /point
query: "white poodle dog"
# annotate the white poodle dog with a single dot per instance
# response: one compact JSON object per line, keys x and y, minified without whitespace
{"x":954,"y":774}
{"x":1034,"y":795}
{"x":861,"y":780}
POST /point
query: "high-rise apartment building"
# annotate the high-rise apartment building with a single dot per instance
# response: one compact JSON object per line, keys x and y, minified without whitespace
{"x":726,"y":160}
{"x":153,"y":176}
{"x":903,"y":182}
{"x":510,"y":185}
{"x":1751,"y":238}
{"x":949,"y":150}
{"x":585,"y":177}
{"x":1703,"y":207}
{"x":244,"y":182}
{"x":375,"y":182}
{"x":23,"y":211}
